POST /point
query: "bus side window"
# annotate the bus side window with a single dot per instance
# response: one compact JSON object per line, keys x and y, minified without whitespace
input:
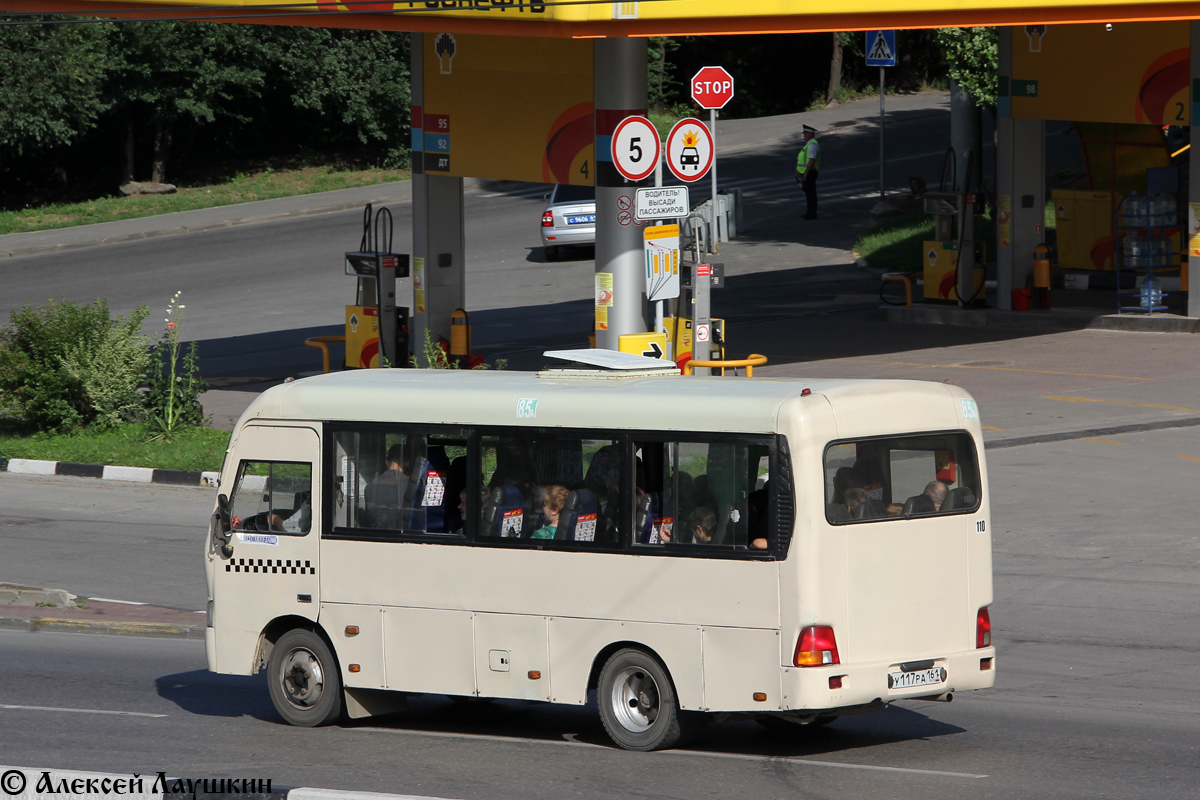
{"x":272,"y":496}
{"x":700,"y":493}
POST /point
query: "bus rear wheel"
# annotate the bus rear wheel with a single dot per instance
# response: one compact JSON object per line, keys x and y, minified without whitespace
{"x":303,"y":680}
{"x":637,"y":702}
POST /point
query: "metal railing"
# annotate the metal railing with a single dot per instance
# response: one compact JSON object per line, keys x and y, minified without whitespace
{"x":749,"y":362}
{"x":319,"y":342}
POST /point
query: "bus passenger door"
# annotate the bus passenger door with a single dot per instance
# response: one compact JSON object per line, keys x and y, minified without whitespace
{"x":273,"y":569}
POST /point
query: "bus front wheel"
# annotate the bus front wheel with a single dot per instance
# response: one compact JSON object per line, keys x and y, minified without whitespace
{"x":637,"y":702}
{"x":304,"y":682}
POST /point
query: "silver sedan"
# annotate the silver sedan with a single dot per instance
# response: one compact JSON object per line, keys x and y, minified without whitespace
{"x":569,"y":218}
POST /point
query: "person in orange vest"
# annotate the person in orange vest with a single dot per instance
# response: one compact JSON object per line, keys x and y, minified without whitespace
{"x":808,"y":164}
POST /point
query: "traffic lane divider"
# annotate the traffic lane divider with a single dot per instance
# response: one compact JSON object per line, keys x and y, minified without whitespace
{"x":109,"y":472}
{"x":105,"y":618}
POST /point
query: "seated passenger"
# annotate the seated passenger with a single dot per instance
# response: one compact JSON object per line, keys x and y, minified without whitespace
{"x":553,"y":498}
{"x":386,"y":494}
{"x":845,"y":478}
{"x":702,"y":525}
{"x":936,"y":491}
{"x":756,"y":508}
{"x":855,"y":500}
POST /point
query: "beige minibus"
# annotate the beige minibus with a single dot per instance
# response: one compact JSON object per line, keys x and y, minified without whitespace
{"x":789,"y":550}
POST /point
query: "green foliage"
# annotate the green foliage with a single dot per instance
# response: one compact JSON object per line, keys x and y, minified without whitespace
{"x":111,"y":371}
{"x":63,"y":365}
{"x":194,"y":70}
{"x":974,"y":57}
{"x":51,"y":83}
{"x":174,"y":385}
{"x":662,"y":87}
{"x":357,"y":79}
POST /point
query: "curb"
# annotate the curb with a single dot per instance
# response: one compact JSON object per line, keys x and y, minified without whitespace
{"x":108,"y":472}
{"x":153,"y":630}
{"x":396,"y":194}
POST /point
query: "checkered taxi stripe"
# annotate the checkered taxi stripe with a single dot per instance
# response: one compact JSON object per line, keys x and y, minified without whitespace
{"x":271,"y":565}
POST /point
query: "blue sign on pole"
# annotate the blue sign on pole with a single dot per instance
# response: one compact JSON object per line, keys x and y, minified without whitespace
{"x":881,"y":48}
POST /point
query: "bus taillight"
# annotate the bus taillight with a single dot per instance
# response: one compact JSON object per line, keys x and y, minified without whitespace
{"x":983,"y":628}
{"x":816,"y":646}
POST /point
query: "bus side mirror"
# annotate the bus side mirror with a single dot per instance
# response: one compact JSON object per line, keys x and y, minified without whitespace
{"x":223,"y":515}
{"x":224,"y":525}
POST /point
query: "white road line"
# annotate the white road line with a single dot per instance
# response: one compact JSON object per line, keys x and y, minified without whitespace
{"x":572,"y":742}
{"x":5,"y":707}
{"x":122,"y":602}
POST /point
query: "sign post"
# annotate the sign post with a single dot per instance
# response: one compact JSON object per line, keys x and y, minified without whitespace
{"x":712,"y":88}
{"x":881,"y":52}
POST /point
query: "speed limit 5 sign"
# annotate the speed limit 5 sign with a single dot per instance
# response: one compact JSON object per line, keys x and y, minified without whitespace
{"x":635,"y":148}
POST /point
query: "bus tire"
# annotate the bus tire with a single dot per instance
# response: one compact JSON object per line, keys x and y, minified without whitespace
{"x":638,"y":707}
{"x":303,"y":678}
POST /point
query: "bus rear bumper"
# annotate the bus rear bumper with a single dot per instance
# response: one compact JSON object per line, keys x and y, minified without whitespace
{"x":839,"y":687}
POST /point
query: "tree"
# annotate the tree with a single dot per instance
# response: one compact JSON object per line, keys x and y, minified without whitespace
{"x":51,"y":83}
{"x":661,"y":85}
{"x":357,"y":81}
{"x":835,"y":68}
{"x":171,"y":71}
{"x":974,"y":58}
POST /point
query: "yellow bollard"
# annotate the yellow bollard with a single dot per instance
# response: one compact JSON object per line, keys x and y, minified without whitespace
{"x":460,"y":337}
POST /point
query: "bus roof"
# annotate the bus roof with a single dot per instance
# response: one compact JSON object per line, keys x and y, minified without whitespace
{"x":478,"y":397}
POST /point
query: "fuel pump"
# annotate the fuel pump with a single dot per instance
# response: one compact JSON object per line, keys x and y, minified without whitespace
{"x":376,"y":328}
{"x":697,"y":282}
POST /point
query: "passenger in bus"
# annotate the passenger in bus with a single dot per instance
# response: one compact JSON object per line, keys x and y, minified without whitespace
{"x":936,"y":491}
{"x":386,"y":494}
{"x":757,"y":503}
{"x":845,"y":478}
{"x":702,"y":525}
{"x":553,"y":498}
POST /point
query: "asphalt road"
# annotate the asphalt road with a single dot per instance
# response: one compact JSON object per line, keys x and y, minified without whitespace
{"x":254,"y":292}
{"x":1095,"y":620}
{"x":1096,"y":612}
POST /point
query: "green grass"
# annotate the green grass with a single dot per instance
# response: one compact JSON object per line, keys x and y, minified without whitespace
{"x":895,"y":245}
{"x":264,"y":185}
{"x":195,"y":449}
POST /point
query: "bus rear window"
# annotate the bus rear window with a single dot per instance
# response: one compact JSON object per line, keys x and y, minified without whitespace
{"x":901,"y":477}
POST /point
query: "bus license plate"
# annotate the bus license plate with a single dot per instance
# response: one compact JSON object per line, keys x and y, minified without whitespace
{"x":581,"y":219}
{"x":923,"y":677}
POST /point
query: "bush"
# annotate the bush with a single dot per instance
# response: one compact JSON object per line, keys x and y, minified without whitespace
{"x":64,"y":365}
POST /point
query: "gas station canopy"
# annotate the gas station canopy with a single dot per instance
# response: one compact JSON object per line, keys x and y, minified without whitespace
{"x":603,"y":18}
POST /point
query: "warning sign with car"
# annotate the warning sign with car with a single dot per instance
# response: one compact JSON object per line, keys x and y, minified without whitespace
{"x":689,"y":150}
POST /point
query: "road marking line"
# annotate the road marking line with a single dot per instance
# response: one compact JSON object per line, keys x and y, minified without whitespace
{"x":1191,"y":458}
{"x":571,"y":741}
{"x":121,"y":602}
{"x":993,"y":428}
{"x":1069,"y":399}
{"x":1105,"y":441}
{"x":4,"y":707}
{"x":1005,"y":369}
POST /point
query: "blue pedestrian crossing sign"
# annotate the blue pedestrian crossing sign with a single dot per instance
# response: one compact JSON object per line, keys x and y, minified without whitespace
{"x":881,"y":48}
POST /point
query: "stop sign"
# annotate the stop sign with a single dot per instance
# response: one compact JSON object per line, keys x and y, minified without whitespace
{"x":712,"y":87}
